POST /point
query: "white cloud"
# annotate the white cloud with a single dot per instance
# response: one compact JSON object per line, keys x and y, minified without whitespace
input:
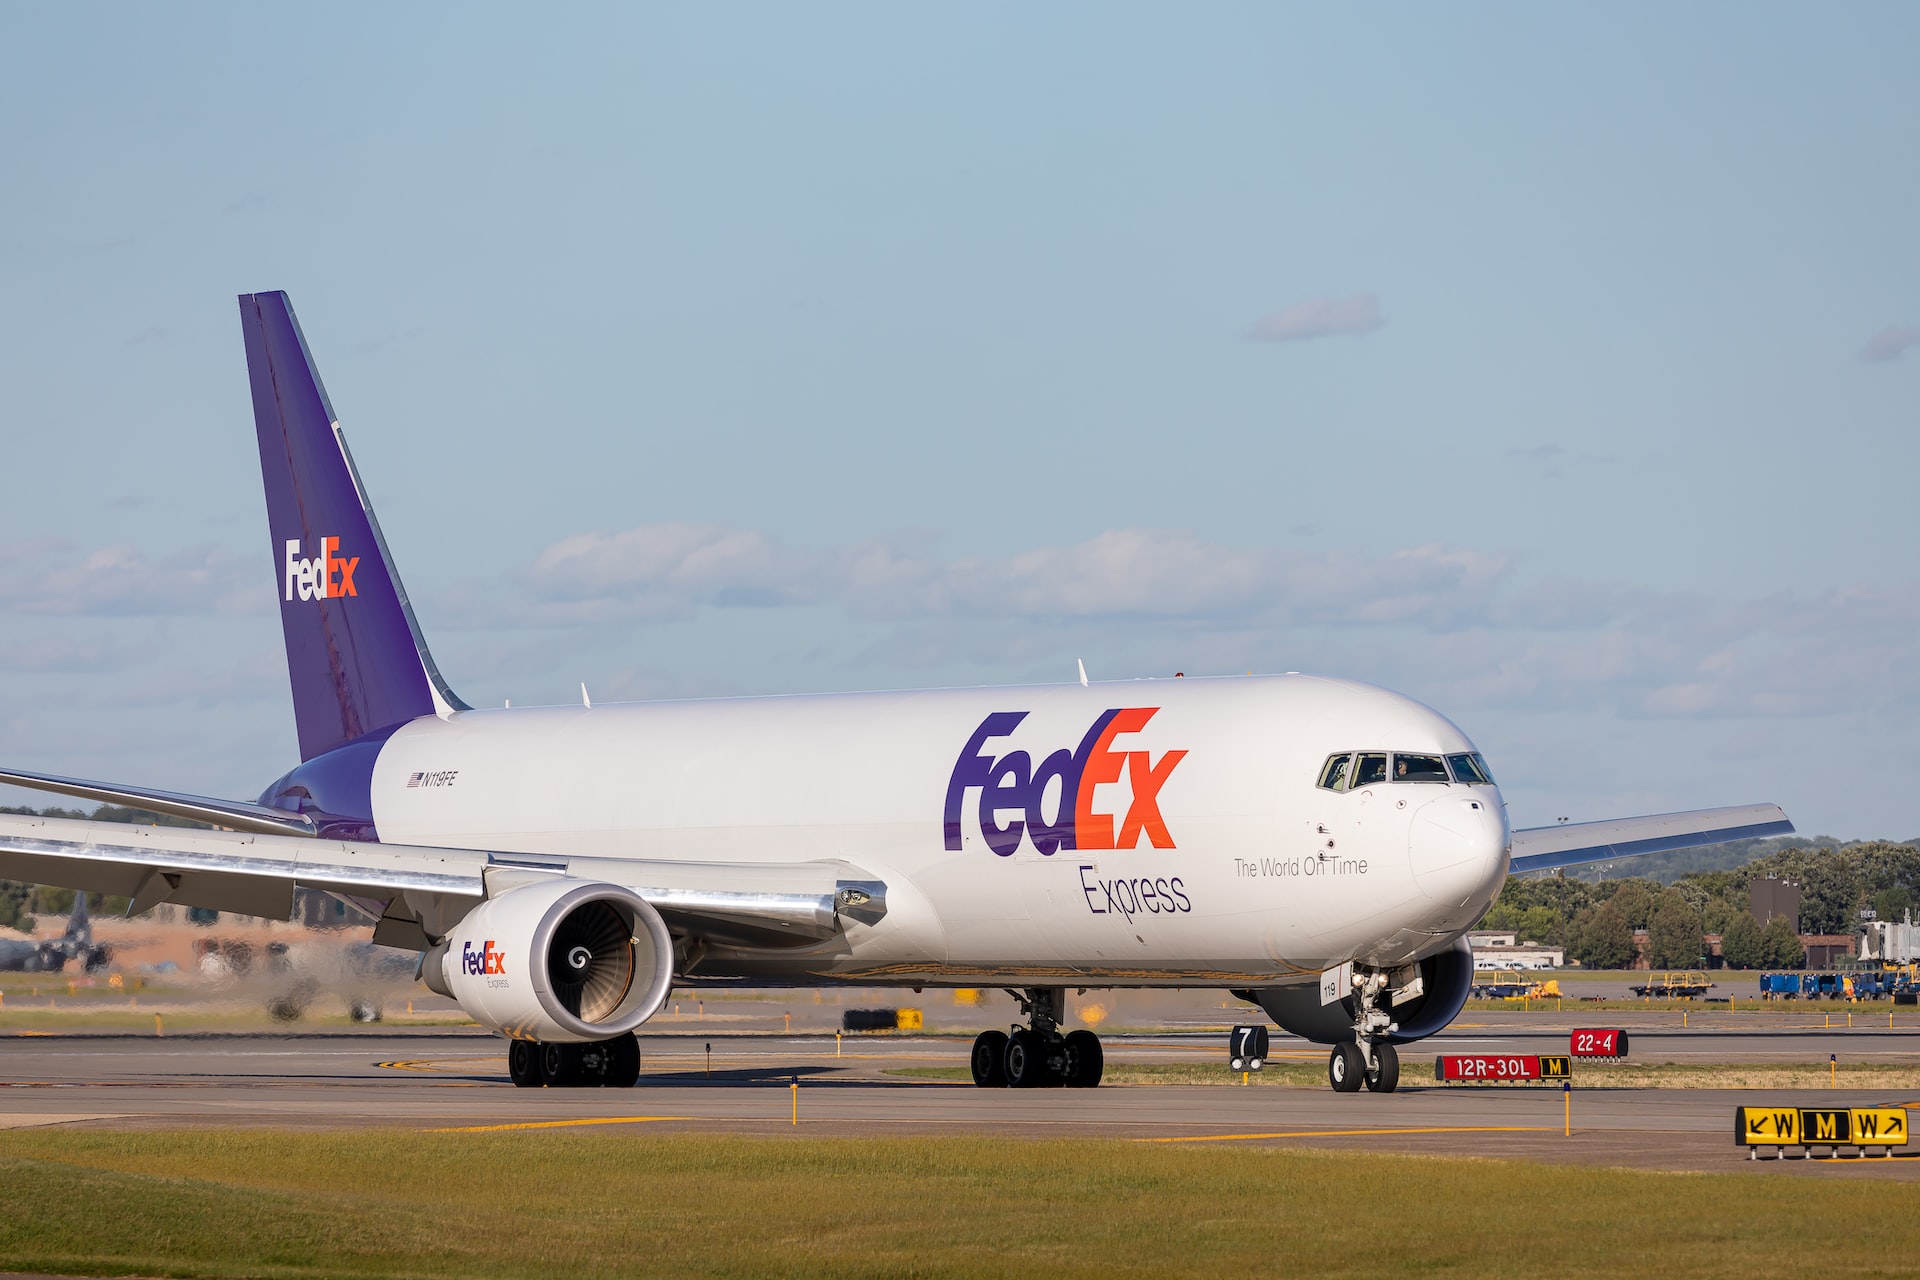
{"x":1889,"y":343}
{"x":54,"y":578}
{"x":44,"y":654}
{"x":668,"y":570}
{"x":1320,"y":318}
{"x":673,"y":570}
{"x":1455,"y":626}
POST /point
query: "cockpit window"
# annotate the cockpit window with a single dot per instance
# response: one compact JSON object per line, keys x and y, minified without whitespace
{"x":1334,"y":776}
{"x":1418,"y":769}
{"x":1471,"y":769}
{"x":1370,"y":768}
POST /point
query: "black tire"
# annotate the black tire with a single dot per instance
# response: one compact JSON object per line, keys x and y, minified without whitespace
{"x":1345,"y":1067}
{"x":623,"y":1065}
{"x":1085,"y":1060}
{"x":1026,"y":1060}
{"x":523,"y":1064}
{"x":560,"y":1064}
{"x":1385,"y":1076}
{"x":990,"y":1060}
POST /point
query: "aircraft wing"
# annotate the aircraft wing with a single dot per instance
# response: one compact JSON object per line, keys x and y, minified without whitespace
{"x":236,"y":814}
{"x":410,"y":887}
{"x":1571,"y":844}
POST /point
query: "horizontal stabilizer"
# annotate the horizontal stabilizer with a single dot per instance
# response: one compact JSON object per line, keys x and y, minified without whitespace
{"x":1571,"y":844}
{"x":236,"y":815}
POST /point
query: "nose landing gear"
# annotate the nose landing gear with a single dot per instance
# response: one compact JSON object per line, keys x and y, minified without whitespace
{"x":1384,"y":1075}
{"x":1038,"y":1056}
{"x":1370,"y":1057}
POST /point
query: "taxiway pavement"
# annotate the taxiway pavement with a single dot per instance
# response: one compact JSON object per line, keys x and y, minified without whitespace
{"x":440,"y":1078}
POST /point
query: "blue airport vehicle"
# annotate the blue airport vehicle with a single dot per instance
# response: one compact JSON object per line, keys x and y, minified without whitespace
{"x":1843,"y":984}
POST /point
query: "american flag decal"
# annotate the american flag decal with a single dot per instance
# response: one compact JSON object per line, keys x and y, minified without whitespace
{"x":413,"y":780}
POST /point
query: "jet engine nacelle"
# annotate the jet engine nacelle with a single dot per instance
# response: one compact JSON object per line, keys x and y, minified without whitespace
{"x":1447,"y":979}
{"x":560,"y":961}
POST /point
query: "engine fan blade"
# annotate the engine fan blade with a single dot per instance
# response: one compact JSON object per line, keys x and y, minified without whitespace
{"x":590,"y":963}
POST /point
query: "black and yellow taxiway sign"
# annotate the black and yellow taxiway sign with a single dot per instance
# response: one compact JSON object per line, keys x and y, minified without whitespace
{"x":1804,"y":1126}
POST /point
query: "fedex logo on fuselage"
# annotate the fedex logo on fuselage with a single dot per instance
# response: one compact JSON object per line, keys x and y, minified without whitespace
{"x":488,"y":959}
{"x":1012,"y":784}
{"x":326,"y":576}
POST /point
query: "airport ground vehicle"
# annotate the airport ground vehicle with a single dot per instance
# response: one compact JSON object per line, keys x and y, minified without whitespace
{"x":1510,"y":984}
{"x":1318,"y":846}
{"x":1682,"y":985}
{"x":1897,"y":982}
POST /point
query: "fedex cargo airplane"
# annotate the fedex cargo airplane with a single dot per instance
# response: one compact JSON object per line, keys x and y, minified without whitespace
{"x":1316,"y":846}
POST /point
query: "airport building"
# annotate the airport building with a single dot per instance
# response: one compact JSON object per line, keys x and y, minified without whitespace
{"x":1495,"y":950}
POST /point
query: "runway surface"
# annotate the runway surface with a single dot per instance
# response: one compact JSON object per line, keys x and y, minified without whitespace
{"x":443,"y":1078}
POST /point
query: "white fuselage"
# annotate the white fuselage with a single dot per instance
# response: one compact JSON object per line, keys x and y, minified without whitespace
{"x":1224,"y":865}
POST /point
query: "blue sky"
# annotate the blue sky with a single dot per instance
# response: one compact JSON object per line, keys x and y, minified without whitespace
{"x":1558,"y":367}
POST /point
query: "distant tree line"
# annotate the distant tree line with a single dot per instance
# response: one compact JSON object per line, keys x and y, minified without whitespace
{"x":1595,"y":921}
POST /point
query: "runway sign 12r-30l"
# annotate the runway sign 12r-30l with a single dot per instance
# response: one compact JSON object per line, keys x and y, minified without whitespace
{"x":1484,"y":1068}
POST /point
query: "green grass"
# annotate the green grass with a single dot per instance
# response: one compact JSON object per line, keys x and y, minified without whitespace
{"x":388,"y":1203}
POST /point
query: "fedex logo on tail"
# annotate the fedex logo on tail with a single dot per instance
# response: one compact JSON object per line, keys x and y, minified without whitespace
{"x":1012,"y":786}
{"x":326,"y":576}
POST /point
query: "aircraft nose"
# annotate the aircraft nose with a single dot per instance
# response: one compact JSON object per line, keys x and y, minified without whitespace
{"x":1458,"y":847}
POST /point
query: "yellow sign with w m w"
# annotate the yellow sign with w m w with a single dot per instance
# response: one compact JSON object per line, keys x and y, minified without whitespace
{"x":1820,"y":1127}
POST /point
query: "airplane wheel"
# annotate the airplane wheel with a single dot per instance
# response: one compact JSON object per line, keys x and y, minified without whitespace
{"x":560,"y":1064}
{"x":1345,"y":1067}
{"x":1026,"y":1060}
{"x":623,"y":1065}
{"x":1385,"y":1076}
{"x":990,"y":1060}
{"x":523,"y":1064}
{"x":1085,"y":1061}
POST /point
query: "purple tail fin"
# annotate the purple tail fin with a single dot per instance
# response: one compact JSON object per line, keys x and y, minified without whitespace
{"x":354,"y":652}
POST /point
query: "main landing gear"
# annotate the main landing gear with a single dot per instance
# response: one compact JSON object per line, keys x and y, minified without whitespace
{"x":1369,"y":1057}
{"x":1037,"y":1056}
{"x":614,"y":1063}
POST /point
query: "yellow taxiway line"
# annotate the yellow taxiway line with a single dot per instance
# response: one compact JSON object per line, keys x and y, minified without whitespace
{"x":556,"y":1124}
